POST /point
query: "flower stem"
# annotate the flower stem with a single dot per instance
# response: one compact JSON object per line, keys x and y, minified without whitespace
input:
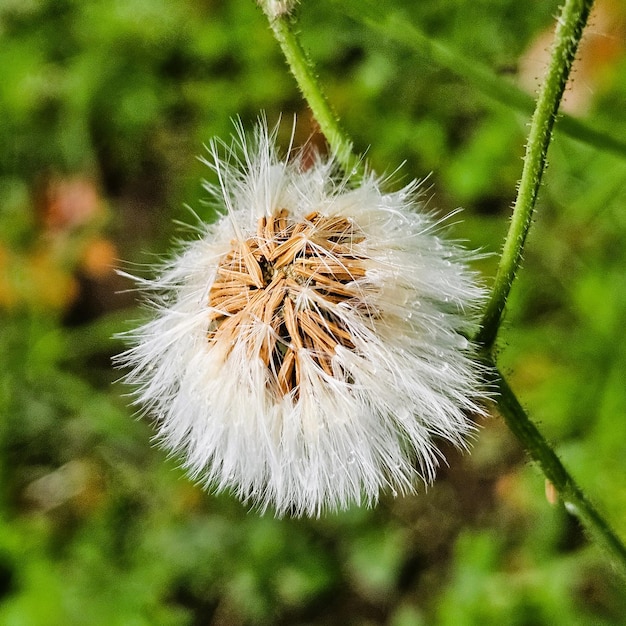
{"x":569,"y":31}
{"x":540,"y":450}
{"x":303,"y":70}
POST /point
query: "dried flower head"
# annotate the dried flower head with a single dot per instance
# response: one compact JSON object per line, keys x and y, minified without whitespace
{"x":308,"y":349}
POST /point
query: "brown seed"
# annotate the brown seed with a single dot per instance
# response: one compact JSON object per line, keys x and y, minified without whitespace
{"x":260,"y":278}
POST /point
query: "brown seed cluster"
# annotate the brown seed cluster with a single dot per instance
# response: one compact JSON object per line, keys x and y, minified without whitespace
{"x":260,"y":279}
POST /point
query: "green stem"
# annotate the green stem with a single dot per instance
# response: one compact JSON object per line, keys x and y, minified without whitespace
{"x":510,"y":408}
{"x":303,"y":70}
{"x":569,"y":31}
{"x":540,"y":450}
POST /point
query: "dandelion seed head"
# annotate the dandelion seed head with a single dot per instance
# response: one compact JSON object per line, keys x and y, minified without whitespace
{"x":308,"y":351}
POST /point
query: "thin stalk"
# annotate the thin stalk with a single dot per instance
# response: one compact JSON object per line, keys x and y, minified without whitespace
{"x":574,"y":14}
{"x":540,"y":450}
{"x":569,"y":31}
{"x":303,"y":71}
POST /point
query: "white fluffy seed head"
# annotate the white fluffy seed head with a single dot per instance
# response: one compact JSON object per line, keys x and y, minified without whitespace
{"x":308,"y":350}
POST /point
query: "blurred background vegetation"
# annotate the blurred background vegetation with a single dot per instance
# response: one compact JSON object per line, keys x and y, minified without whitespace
{"x":104,"y":107}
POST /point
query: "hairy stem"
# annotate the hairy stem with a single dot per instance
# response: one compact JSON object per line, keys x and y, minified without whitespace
{"x":540,"y":450}
{"x":568,"y":35}
{"x":303,"y":70}
{"x":569,"y":31}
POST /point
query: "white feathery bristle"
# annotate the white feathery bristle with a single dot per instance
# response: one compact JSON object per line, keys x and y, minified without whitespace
{"x":308,"y":351}
{"x":278,"y":8}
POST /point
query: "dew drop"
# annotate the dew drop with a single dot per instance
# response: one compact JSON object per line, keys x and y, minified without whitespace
{"x":403,"y":414}
{"x":571,"y":508}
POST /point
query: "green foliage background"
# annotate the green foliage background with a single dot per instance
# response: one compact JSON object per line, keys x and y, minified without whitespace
{"x":96,"y":525}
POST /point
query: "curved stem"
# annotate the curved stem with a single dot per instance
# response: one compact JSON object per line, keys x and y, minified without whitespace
{"x":571,"y":23}
{"x":303,"y":70}
{"x":567,"y":37}
{"x":540,"y":450}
